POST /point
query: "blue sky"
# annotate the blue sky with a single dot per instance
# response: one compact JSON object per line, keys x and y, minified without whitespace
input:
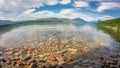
{"x":89,"y":10}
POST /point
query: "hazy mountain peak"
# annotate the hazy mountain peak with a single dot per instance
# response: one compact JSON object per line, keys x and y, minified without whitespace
{"x":79,"y":21}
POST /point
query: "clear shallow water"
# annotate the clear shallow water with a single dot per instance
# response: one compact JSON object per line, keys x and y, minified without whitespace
{"x":36,"y":34}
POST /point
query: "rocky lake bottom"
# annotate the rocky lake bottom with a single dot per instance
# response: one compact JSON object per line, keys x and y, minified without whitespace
{"x":59,"y":46}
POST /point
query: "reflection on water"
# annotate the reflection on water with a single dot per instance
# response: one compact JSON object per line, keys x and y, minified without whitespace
{"x":36,"y":34}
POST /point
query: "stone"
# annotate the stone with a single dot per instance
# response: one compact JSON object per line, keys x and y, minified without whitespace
{"x":32,"y":60}
{"x":1,"y":53}
{"x":27,"y":58}
{"x":20,"y":63}
{"x":41,"y":56}
{"x":0,"y":65}
{"x":76,"y":66}
{"x":14,"y":63}
{"x":8,"y":62}
{"x":61,"y":63}
{"x":54,"y":64}
{"x":16,"y":58}
{"x":2,"y":59}
{"x":85,"y":61}
{"x":53,"y":58}
{"x":33,"y":65}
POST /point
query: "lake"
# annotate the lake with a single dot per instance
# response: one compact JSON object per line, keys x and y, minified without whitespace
{"x":18,"y":36}
{"x":68,"y":41}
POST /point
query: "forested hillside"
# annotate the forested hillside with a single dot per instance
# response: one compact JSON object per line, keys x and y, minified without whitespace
{"x":111,"y":27}
{"x":45,"y":21}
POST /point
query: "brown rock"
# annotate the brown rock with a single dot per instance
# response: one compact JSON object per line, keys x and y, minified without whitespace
{"x":27,"y":58}
{"x":53,"y":58}
{"x":32,"y":60}
{"x":20,"y":63}
{"x":33,"y":65}
{"x":0,"y":65}
{"x":14,"y":62}
{"x":61,"y":63}
{"x":0,"y":53}
{"x":8,"y":62}
{"x":16,"y":58}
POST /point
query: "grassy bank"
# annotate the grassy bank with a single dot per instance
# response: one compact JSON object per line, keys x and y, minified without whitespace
{"x":111,"y":27}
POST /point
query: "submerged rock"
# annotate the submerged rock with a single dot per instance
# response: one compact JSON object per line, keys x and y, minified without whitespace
{"x":55,"y":48}
{"x":27,"y":58}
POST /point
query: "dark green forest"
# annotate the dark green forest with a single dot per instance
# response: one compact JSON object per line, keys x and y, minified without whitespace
{"x":111,"y":27}
{"x":45,"y":21}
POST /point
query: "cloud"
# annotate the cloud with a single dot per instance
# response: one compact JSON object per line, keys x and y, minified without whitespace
{"x":54,"y":2}
{"x":51,"y":2}
{"x":80,"y":3}
{"x":19,"y":5}
{"x":24,"y":9}
{"x":9,"y":6}
{"x":64,"y":13}
{"x":28,"y":12}
{"x":12,"y":8}
{"x":65,"y":1}
{"x":105,"y":17}
{"x":107,"y":6}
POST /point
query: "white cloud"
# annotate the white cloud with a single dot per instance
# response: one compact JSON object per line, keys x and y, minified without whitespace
{"x":15,"y":8}
{"x":23,"y":9}
{"x":105,"y":17}
{"x":65,"y":1}
{"x":28,"y":12}
{"x":80,"y":3}
{"x":64,"y":13}
{"x":51,"y":2}
{"x":54,"y":2}
{"x":19,"y":5}
{"x":1,"y":3}
{"x":108,"y":5}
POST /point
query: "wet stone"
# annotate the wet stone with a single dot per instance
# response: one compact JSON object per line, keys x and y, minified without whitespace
{"x":33,"y":65}
{"x":8,"y":62}
{"x":27,"y":58}
{"x":14,"y":63}
{"x":0,"y":65}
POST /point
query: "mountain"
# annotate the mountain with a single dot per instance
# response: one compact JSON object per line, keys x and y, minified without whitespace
{"x":111,"y":27}
{"x":43,"y":21}
{"x":93,"y":23}
{"x":5,"y":22}
{"x":80,"y":22}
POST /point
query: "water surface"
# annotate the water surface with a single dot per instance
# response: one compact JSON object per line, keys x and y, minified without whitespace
{"x":26,"y":34}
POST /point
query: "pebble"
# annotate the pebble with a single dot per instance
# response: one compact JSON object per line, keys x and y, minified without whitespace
{"x":27,"y":58}
{"x":0,"y":65}
{"x":40,"y":57}
{"x":8,"y":62}
{"x":1,"y":53}
{"x":16,"y":58}
{"x":61,"y":63}
{"x":33,"y":65}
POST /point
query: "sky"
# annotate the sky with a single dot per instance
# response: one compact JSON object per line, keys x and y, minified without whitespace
{"x":89,"y":10}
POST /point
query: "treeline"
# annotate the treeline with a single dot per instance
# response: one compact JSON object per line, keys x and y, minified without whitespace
{"x":111,"y":27}
{"x":44,"y":21}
